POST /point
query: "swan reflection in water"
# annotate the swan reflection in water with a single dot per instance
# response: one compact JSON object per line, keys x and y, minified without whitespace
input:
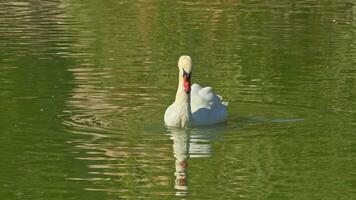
{"x":189,"y":143}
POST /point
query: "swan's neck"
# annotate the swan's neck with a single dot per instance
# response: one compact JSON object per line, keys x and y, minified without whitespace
{"x":183,"y":104}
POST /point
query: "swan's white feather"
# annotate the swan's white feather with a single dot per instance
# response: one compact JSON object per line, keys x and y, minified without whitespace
{"x":207,"y":107}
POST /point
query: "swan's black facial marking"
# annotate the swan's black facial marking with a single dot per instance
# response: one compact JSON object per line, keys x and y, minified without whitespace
{"x":186,"y":81}
{"x":186,"y":75}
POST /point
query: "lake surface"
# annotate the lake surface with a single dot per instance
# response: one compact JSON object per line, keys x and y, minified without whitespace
{"x":84,"y":86}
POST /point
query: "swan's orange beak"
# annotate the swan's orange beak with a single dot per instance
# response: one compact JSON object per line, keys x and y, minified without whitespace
{"x":186,"y":82}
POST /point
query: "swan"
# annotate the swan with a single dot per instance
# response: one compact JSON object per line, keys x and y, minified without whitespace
{"x":194,"y":105}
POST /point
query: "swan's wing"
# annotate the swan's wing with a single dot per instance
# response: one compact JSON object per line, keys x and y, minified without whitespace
{"x":168,"y":114}
{"x":205,"y":97}
{"x":207,"y":107}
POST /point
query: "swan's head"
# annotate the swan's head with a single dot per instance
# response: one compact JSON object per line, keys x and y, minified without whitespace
{"x":185,"y":71}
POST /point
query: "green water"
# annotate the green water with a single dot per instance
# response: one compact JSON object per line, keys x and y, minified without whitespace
{"x":84,"y":86}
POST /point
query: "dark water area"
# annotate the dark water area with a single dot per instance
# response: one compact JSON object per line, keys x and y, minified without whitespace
{"x":84,"y":86}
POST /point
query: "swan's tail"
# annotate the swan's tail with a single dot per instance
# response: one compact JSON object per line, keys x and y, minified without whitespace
{"x":225,"y":103}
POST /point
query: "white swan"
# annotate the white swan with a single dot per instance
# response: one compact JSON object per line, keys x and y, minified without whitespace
{"x":194,"y":105}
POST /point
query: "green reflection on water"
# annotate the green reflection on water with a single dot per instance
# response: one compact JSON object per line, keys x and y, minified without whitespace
{"x":84,"y":86}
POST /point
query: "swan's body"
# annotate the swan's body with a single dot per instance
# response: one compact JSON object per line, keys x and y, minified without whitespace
{"x":194,"y":105}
